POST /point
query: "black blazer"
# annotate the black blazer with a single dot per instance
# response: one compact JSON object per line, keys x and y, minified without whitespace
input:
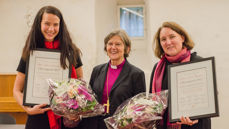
{"x":130,"y":82}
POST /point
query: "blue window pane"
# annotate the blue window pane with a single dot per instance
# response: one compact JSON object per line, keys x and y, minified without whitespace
{"x":132,"y":21}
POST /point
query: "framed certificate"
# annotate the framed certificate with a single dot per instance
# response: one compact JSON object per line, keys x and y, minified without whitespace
{"x":192,"y":90}
{"x":42,"y":65}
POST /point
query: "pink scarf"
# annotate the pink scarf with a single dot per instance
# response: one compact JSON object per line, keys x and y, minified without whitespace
{"x":183,"y":56}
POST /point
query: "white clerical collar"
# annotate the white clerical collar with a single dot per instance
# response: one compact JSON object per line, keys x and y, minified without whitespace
{"x":117,"y":66}
{"x":113,"y":66}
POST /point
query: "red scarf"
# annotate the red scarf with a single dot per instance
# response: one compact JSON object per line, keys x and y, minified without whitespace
{"x":183,"y":56}
{"x":55,"y":120}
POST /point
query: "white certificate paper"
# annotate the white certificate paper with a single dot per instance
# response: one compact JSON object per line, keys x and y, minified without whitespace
{"x":42,"y":65}
{"x":192,"y":88}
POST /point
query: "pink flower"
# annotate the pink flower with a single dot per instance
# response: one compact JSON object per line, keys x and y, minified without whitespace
{"x":83,"y":90}
{"x":72,"y":103}
{"x":138,"y":107}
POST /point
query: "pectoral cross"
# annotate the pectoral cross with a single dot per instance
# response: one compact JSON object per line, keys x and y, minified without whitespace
{"x":107,"y":105}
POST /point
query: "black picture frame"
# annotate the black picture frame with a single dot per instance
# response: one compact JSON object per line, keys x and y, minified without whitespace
{"x":29,"y":99}
{"x":193,"y":90}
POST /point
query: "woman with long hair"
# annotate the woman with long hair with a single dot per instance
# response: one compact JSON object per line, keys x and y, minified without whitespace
{"x":48,"y":31}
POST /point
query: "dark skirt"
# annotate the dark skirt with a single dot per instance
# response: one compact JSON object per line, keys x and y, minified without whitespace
{"x":91,"y":123}
{"x":39,"y":121}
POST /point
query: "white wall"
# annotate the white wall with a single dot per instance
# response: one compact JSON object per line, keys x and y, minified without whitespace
{"x":106,"y":21}
{"x":13,"y":32}
{"x":207,"y":23}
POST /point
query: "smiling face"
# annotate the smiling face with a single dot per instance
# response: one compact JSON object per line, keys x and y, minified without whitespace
{"x":115,"y":50}
{"x":171,"y":42}
{"x":50,"y":25}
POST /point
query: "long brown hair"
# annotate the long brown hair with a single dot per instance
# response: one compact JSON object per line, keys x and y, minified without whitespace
{"x":35,"y":38}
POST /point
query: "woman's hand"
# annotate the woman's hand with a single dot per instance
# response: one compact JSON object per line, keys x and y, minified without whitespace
{"x":187,"y":121}
{"x":18,"y":95}
{"x":37,"y":109}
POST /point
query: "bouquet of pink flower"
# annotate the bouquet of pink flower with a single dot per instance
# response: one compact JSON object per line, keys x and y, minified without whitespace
{"x":72,"y":99}
{"x":139,"y":112}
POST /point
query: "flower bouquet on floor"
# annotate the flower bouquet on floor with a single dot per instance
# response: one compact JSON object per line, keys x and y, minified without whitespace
{"x":139,"y":112}
{"x":73,"y":99}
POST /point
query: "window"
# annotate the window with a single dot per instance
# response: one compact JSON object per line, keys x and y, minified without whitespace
{"x":131,"y":19}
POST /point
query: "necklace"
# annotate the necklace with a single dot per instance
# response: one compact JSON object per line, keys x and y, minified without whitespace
{"x":108,"y":102}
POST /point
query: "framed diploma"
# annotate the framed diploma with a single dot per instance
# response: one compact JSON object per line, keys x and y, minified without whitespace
{"x":192,"y":90}
{"x":41,"y":65}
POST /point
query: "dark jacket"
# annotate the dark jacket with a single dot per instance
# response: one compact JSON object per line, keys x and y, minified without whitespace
{"x":202,"y":123}
{"x":130,"y":82}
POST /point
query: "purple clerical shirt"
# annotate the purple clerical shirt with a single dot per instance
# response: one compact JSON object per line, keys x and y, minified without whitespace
{"x":113,"y":73}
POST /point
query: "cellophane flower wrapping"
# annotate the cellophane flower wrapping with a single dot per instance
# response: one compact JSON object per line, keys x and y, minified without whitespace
{"x":73,"y":99}
{"x":139,"y":112}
